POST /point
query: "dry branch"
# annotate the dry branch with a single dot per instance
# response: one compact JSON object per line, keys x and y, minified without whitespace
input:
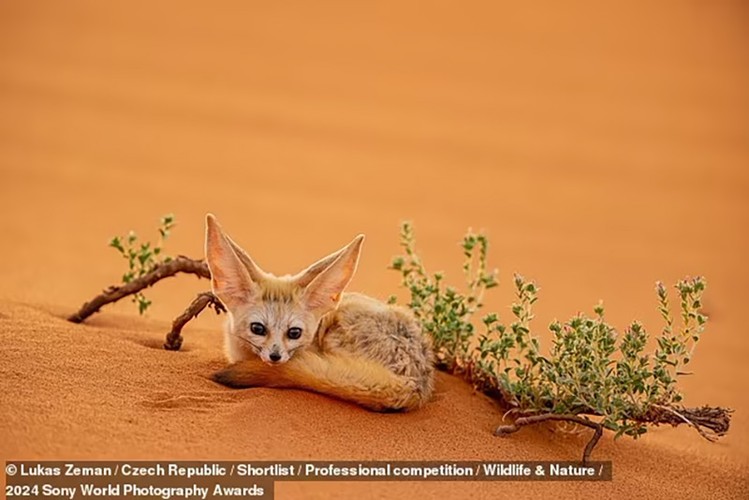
{"x":716,"y":419}
{"x":504,"y":430}
{"x":205,"y":299}
{"x":180,"y":264}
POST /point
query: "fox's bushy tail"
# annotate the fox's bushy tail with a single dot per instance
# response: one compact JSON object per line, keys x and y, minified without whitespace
{"x":355,"y":379}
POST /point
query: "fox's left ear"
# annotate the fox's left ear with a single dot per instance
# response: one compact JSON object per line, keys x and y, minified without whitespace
{"x":305,"y":277}
{"x":324,"y":291}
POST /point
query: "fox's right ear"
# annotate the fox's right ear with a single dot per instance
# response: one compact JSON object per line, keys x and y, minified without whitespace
{"x":231,"y":278}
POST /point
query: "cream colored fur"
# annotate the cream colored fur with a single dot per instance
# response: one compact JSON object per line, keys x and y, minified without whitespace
{"x":351,"y":346}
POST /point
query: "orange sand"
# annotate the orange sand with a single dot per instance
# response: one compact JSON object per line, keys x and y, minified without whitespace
{"x":601,"y":148}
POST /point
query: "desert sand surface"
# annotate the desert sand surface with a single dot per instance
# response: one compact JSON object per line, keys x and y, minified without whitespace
{"x":602,"y":148}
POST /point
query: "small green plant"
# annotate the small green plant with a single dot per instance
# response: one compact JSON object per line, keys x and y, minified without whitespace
{"x":444,"y":312}
{"x":592,"y":375}
{"x":143,"y":257}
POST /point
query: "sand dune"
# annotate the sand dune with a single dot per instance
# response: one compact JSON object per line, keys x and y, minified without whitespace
{"x":601,"y":148}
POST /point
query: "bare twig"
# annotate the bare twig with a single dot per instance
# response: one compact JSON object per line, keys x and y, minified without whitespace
{"x":716,"y":419}
{"x":205,"y":299}
{"x":504,"y":430}
{"x":180,"y":264}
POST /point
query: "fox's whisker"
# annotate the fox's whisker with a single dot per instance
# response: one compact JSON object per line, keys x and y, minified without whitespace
{"x":254,"y":347}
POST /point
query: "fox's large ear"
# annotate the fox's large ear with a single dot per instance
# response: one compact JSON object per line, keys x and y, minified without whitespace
{"x":305,"y":277}
{"x":256,"y":274}
{"x":324,"y":291}
{"x":231,"y":279}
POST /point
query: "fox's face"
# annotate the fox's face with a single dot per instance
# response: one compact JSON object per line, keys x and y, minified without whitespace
{"x":275,"y":325}
{"x":275,"y":316}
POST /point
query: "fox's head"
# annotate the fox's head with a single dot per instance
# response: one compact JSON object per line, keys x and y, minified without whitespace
{"x":275,"y":316}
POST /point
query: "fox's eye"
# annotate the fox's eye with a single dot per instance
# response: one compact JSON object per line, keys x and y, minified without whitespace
{"x":257,"y":328}
{"x":294,"y":333}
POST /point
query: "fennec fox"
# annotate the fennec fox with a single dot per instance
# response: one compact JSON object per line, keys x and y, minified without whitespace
{"x":302,"y":331}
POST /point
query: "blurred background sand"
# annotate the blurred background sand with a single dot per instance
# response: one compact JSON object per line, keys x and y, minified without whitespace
{"x":602,"y":148}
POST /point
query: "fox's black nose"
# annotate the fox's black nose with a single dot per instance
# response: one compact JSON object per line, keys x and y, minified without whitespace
{"x":275,"y":357}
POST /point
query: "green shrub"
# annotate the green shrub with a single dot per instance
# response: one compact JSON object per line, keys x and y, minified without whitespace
{"x":590,"y":370}
{"x":142,"y":258}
